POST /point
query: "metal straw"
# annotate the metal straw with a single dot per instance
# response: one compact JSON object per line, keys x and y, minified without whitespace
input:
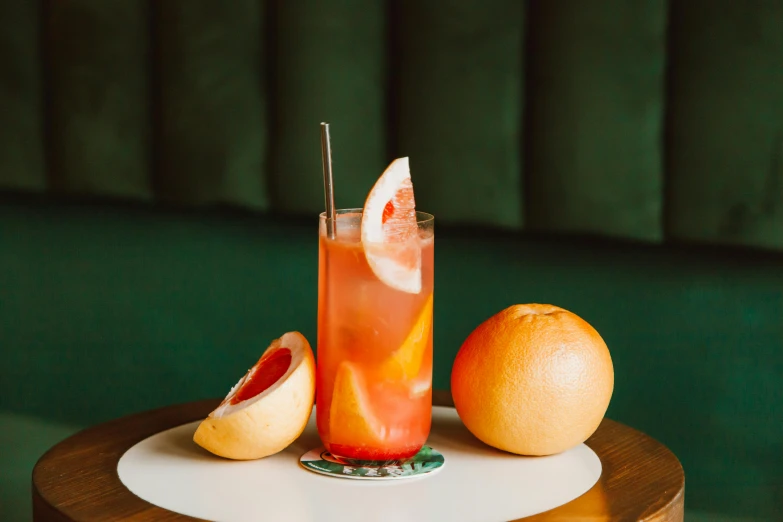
{"x":326,"y":158}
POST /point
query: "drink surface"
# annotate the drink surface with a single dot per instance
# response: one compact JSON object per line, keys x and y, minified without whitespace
{"x":374,"y":383}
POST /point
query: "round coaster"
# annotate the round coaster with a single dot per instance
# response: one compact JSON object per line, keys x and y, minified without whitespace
{"x":426,"y":461}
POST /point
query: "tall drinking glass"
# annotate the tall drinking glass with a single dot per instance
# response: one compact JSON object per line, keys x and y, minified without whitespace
{"x":374,"y":385}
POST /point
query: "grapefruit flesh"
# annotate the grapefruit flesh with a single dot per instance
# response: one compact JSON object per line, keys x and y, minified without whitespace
{"x":350,"y":418}
{"x":265,"y":373}
{"x":405,"y":362}
{"x":268,"y":408}
{"x":389,"y":231}
{"x":355,"y":429}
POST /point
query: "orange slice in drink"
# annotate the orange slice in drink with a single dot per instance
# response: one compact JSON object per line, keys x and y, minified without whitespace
{"x":390,"y":234}
{"x":405,"y":362}
{"x":351,"y":422}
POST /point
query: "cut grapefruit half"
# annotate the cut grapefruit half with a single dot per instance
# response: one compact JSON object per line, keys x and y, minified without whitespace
{"x":390,"y":234}
{"x":268,"y":408}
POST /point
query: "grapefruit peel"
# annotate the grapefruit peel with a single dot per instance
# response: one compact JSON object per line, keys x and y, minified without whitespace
{"x":262,"y":415}
{"x":389,"y":229}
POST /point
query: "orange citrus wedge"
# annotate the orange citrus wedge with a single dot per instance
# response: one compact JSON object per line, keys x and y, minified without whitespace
{"x":405,"y":362}
{"x":351,"y":422}
{"x":390,"y":234}
{"x":268,"y":408}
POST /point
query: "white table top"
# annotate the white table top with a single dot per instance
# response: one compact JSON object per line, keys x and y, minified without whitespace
{"x":476,"y":483}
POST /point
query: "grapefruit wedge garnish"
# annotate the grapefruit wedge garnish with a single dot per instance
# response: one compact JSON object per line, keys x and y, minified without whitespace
{"x":351,"y":421}
{"x":268,"y":408}
{"x":405,"y":362}
{"x":390,"y":234}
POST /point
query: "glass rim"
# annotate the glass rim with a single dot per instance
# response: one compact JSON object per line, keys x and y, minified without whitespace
{"x":422,"y":218}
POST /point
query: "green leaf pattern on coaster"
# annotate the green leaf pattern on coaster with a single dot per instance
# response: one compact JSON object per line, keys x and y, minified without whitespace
{"x":425,"y":461}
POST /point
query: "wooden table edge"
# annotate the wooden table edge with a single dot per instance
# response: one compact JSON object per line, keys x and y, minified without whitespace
{"x":94,"y":452}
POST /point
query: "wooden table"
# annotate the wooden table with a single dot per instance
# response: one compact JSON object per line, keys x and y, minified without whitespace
{"x":77,"y":479}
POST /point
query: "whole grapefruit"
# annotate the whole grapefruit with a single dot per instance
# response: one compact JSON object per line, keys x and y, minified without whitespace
{"x":533,"y":379}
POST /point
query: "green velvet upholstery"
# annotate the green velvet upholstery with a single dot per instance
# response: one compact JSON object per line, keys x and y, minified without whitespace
{"x":651,"y":120}
{"x":458,"y":107}
{"x":22,"y":159}
{"x":329,"y":65}
{"x":210,"y":108}
{"x":24,"y":438}
{"x":97,"y":78}
{"x":192,"y":127}
{"x":725,"y":142}
{"x":108,"y":311}
{"x":595,"y":117}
